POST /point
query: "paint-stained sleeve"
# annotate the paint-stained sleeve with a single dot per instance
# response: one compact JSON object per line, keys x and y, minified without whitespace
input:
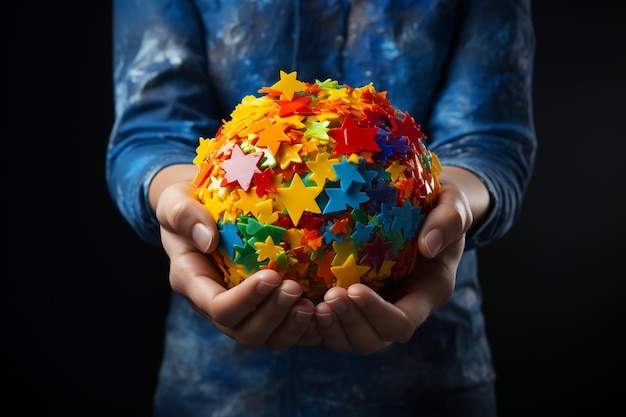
{"x":482,"y":119}
{"x":163,"y":101}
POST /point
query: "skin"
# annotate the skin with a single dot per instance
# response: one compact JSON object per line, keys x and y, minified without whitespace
{"x":267,"y":310}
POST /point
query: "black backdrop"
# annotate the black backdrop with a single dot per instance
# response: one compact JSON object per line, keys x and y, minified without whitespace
{"x":85,"y":299}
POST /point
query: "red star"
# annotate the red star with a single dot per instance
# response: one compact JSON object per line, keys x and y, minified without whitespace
{"x":323,"y":268}
{"x":310,"y":221}
{"x":351,"y":138}
{"x":377,"y":253}
{"x":406,"y":127}
{"x":298,"y":105}
{"x":263,"y":182}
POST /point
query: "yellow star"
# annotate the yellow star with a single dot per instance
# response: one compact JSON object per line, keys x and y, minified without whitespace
{"x":288,"y":154}
{"x":322,"y":168}
{"x":215,"y":207}
{"x":298,"y":198}
{"x":395,"y":170}
{"x":295,"y":121}
{"x":267,"y":249}
{"x":265,"y":212}
{"x":337,"y":95}
{"x":288,"y":84}
{"x":248,"y":201}
{"x":293,"y":237}
{"x":349,"y":273}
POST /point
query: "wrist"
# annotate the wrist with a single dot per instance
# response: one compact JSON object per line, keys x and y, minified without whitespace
{"x":169,"y":175}
{"x":472,"y":186}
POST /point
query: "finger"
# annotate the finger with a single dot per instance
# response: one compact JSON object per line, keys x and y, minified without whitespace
{"x":179,"y":211}
{"x":194,"y":276}
{"x":434,"y":285}
{"x":447,"y":221}
{"x":359,"y":332}
{"x":291,"y":330}
{"x":267,"y":317}
{"x":311,"y":337}
{"x":391,"y":323}
{"x":330,"y":329}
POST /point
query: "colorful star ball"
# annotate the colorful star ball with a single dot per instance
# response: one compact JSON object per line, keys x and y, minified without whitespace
{"x":324,"y":183}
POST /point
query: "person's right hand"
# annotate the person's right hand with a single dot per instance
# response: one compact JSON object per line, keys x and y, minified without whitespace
{"x":262,"y":310}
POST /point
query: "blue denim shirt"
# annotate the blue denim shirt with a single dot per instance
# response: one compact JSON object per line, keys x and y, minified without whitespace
{"x":462,"y":69}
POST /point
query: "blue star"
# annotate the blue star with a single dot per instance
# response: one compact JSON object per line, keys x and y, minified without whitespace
{"x":382,"y":194}
{"x":348,"y":174}
{"x":229,"y":238}
{"x":408,"y":219}
{"x":368,"y":175}
{"x":341,"y":199}
{"x":362,"y":232}
{"x":384,"y":217}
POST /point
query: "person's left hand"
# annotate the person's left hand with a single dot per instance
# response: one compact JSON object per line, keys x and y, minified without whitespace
{"x":359,"y":319}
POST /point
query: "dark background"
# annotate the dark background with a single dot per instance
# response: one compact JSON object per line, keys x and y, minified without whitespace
{"x":84,"y":299}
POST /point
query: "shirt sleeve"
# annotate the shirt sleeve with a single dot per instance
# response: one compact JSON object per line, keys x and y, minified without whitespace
{"x":163,"y":101}
{"x":482,"y":120}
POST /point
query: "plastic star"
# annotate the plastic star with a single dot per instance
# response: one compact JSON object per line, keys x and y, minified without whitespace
{"x":247,"y":201}
{"x":327,"y":84}
{"x":322,"y":168}
{"x":246,"y":256}
{"x":408,"y":219}
{"x":382,"y":194}
{"x":352,"y":138}
{"x":340,"y":225}
{"x":323,"y":268}
{"x":266,"y":213}
{"x":349,"y":272}
{"x":298,"y":198}
{"x":343,"y":250}
{"x":348,"y":174}
{"x":385,"y":218}
{"x":289,"y":154}
{"x":229,"y":238}
{"x":268,"y":160}
{"x":255,"y":127}
{"x":267,"y":249}
{"x":273,"y":136}
{"x":317,"y":130}
{"x":362,"y":232}
{"x":396,"y":170}
{"x":406,"y":127}
{"x":377,"y":253}
{"x":288,"y":84}
{"x":341,"y":199}
{"x":215,"y":207}
{"x":263,"y":182}
{"x":293,"y":237}
{"x":241,"y":167}
{"x":299,"y":105}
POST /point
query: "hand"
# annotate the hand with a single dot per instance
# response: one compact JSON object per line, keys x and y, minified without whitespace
{"x":358,"y":319}
{"x":263,"y":310}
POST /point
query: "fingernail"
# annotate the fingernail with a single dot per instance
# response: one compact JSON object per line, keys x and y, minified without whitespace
{"x":303,"y":317}
{"x":338,"y":305}
{"x":265,"y":288}
{"x":201,"y":236}
{"x":286,"y":299}
{"x":358,"y":300}
{"x":434,"y":242}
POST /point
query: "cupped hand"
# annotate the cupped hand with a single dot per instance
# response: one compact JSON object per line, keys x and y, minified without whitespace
{"x":359,"y":319}
{"x":264,"y":310}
